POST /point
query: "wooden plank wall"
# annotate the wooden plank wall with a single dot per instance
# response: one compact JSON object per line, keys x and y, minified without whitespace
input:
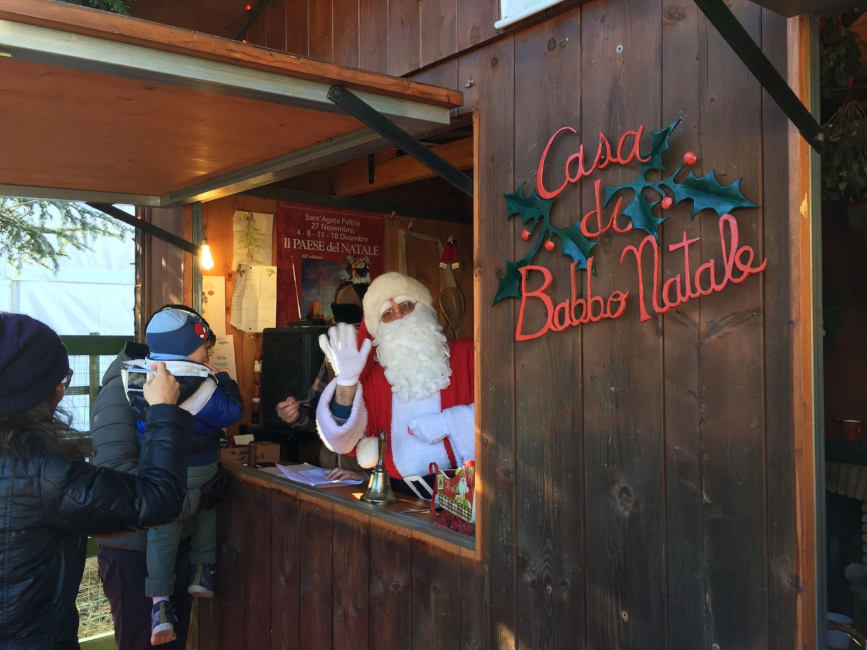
{"x":302,"y":574}
{"x":638,"y":485}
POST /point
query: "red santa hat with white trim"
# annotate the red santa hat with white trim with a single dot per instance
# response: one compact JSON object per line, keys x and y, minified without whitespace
{"x":391,"y":286}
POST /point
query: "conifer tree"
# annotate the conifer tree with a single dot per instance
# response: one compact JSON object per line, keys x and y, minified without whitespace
{"x":39,"y":231}
{"x":116,"y":6}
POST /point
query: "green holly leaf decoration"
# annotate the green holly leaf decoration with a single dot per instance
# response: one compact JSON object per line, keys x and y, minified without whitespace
{"x":508,"y":285}
{"x":574,"y":244}
{"x":640,"y":211}
{"x":535,"y":214}
{"x":658,"y":146}
{"x":708,"y":194}
{"x":531,"y":208}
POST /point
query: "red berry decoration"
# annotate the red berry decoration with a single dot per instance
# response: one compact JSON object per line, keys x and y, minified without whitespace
{"x":525,"y":234}
{"x":666,"y":202}
{"x":689,"y":157}
{"x":549,"y":245}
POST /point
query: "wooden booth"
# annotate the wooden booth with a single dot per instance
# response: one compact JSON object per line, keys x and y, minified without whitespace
{"x":638,"y":261}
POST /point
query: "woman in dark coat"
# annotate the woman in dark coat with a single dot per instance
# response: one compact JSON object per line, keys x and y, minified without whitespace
{"x":51,"y":500}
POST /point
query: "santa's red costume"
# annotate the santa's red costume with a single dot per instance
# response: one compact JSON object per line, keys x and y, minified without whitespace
{"x":419,"y":388}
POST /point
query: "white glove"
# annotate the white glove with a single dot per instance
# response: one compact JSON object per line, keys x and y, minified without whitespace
{"x":456,"y":422}
{"x":429,"y":428}
{"x":341,"y":350}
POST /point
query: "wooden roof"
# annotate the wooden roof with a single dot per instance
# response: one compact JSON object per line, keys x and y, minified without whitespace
{"x":101,"y":107}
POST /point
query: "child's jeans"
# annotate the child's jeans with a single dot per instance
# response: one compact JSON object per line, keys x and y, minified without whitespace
{"x":163,"y":541}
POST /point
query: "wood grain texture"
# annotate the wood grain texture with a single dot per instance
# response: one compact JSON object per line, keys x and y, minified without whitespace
{"x":258,"y":578}
{"x":372,"y":24}
{"x":493,"y":68}
{"x":163,"y":264}
{"x":390,"y":588}
{"x":297,"y":33}
{"x":622,"y":371}
{"x":784,"y":575}
{"x":687,"y":620}
{"x":317,"y":578}
{"x":475,"y":23}
{"x":79,"y":20}
{"x":549,"y":399}
{"x":321,"y":31}
{"x":286,"y":560}
{"x":403,"y":36}
{"x":231,"y":568}
{"x":345,"y":20}
{"x":732,"y":391}
{"x":805,"y":237}
{"x":436,"y":597}
{"x":351,"y":566}
{"x":437,"y":30}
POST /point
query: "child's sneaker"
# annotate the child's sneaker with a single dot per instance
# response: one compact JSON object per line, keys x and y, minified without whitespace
{"x":163,"y":622}
{"x":202,"y":584}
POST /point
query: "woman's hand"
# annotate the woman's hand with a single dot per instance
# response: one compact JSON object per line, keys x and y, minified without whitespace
{"x":161,"y":387}
{"x":340,"y":473}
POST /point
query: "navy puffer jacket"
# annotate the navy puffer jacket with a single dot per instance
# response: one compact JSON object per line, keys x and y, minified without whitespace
{"x":51,"y":504}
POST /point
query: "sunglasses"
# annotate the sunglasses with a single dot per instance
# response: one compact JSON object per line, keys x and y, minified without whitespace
{"x":404,"y":308}
{"x":67,"y":378}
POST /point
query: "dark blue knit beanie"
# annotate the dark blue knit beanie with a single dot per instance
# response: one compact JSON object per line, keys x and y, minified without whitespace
{"x":177,"y":332}
{"x":33,"y":362}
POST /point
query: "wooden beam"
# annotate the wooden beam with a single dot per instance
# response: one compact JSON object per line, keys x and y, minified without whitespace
{"x":353,"y":177}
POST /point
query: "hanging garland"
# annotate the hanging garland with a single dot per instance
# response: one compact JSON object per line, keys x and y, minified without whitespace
{"x":844,"y":159}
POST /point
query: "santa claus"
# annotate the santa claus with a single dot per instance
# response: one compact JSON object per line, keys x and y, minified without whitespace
{"x":418,"y":387}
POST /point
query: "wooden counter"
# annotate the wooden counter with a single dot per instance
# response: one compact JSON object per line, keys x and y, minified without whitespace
{"x":409,"y":513}
{"x":311,"y":568}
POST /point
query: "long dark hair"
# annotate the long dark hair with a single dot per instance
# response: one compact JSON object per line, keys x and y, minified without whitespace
{"x":43,"y":427}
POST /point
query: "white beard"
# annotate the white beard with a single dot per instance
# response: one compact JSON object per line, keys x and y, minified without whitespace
{"x":414,"y":353}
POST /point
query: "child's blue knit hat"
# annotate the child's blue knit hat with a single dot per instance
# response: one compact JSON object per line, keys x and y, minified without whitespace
{"x":178,"y":332}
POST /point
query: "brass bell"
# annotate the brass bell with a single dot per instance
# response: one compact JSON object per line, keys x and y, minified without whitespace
{"x":379,"y":492}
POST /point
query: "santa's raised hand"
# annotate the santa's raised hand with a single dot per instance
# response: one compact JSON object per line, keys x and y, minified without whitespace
{"x":342,"y":351}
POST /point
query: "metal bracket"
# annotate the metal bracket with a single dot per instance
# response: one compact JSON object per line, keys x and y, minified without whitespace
{"x":146,"y":226}
{"x":763,"y":70}
{"x":362,"y":111}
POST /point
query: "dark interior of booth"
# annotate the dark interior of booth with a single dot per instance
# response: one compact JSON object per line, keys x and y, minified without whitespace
{"x":291,"y":356}
{"x":843,"y":85}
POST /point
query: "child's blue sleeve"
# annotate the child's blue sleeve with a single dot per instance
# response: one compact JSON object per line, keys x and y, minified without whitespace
{"x":225,"y":406}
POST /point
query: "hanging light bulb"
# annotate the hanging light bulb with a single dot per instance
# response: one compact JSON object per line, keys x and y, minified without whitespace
{"x":206,"y":259}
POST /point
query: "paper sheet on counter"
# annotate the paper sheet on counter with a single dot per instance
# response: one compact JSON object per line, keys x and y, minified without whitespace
{"x":311,"y":475}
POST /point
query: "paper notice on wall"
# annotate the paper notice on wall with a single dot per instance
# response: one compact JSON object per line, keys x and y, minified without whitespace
{"x":251,"y":238}
{"x":223,"y":355}
{"x":214,"y":303}
{"x":254,"y":298}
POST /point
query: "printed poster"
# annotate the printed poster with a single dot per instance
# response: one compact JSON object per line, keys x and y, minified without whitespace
{"x":318,"y":248}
